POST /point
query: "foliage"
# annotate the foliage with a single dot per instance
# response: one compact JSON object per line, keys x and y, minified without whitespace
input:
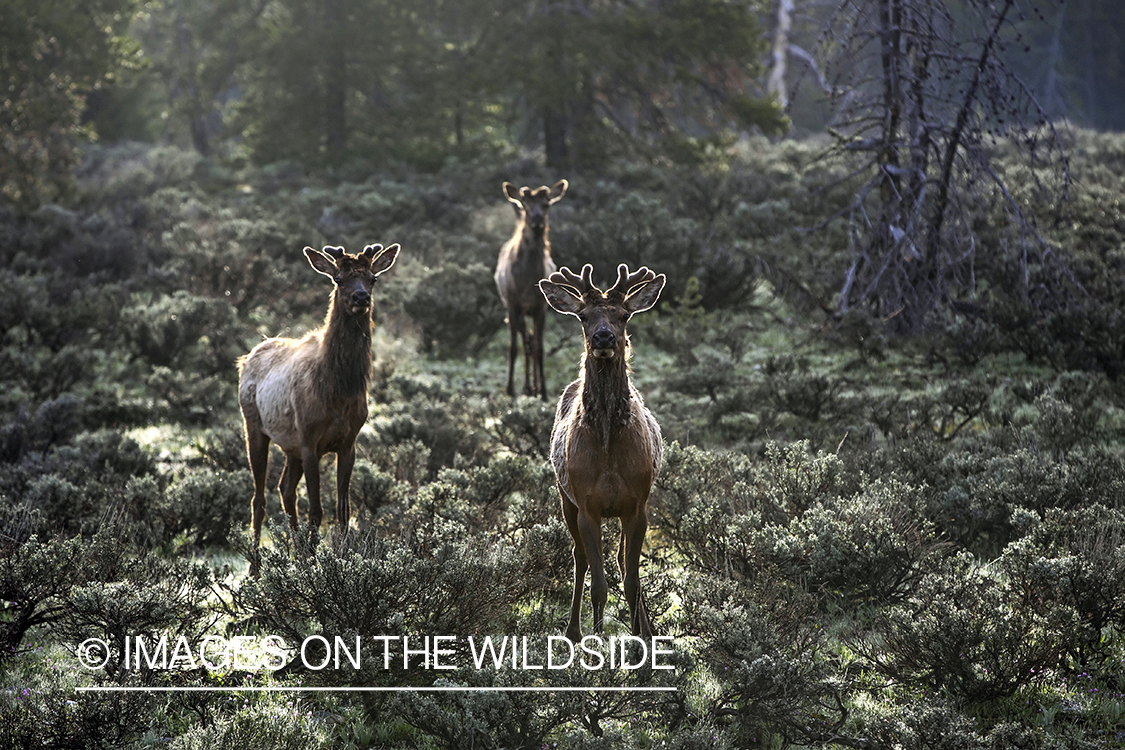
{"x":53,"y":57}
{"x":272,"y":726}
{"x":457,"y":309}
{"x":854,"y":538}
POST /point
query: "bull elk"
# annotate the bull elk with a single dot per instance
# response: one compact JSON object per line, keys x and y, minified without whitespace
{"x":605,"y":445}
{"x":524,"y":260}
{"x":309,"y":395}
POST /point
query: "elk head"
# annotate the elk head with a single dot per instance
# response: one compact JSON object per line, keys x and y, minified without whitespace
{"x":603,"y":314}
{"x":531,"y":205}
{"x":353,"y":275}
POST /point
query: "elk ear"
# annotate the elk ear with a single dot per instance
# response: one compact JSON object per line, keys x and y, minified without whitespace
{"x":560,"y":298}
{"x":557,"y":192}
{"x":645,"y":295}
{"x":512,"y":193}
{"x":321,"y":263}
{"x":385,"y":259}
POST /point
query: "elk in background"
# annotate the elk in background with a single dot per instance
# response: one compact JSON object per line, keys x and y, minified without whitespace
{"x":605,"y":446}
{"x":524,"y":260}
{"x":309,"y":395}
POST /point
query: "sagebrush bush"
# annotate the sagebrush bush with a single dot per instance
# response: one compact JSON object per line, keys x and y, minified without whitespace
{"x":855,"y":540}
{"x":1074,"y":560}
{"x":457,"y":308}
{"x":964,"y":631}
{"x":264,"y":725}
{"x":440,"y":580}
{"x":41,"y":708}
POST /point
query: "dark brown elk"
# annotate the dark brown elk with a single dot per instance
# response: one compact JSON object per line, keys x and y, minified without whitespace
{"x":524,"y":260}
{"x":605,"y":446}
{"x":309,"y":395}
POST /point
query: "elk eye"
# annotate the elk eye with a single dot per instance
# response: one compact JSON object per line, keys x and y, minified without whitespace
{"x":582,"y":317}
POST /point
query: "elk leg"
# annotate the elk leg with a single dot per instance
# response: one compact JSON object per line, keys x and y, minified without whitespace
{"x":312,"y":486}
{"x":590,"y":528}
{"x":513,"y":352}
{"x":621,"y":552}
{"x":345,"y":461}
{"x":633,"y":536}
{"x":525,"y":337}
{"x":581,"y":565}
{"x":540,"y":381}
{"x":258,"y":451}
{"x":290,"y":475}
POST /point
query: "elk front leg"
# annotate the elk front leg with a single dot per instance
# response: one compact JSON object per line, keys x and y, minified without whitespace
{"x":345,"y":461}
{"x":530,"y":376}
{"x":513,"y":351}
{"x":632,"y":537}
{"x":581,"y":565}
{"x":590,"y":528}
{"x":539,"y":385}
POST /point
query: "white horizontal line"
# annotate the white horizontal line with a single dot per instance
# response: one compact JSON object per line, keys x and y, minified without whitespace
{"x":361,"y":689}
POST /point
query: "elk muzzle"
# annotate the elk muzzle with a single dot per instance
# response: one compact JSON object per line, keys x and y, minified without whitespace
{"x":537,"y":220}
{"x":361,"y":301}
{"x":602,"y":343}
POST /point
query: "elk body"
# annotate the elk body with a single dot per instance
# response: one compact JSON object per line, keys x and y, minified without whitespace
{"x":605,"y":445}
{"x":524,"y":260}
{"x":309,"y":395}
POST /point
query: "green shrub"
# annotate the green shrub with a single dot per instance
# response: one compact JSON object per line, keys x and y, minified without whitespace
{"x":457,"y":308}
{"x":1074,"y":560}
{"x":42,"y":709}
{"x":966,"y":632}
{"x":268,"y":726}
{"x":206,"y":505}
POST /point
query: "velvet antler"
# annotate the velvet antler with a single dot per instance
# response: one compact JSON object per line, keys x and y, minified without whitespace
{"x":581,"y":284}
{"x":626,"y":281}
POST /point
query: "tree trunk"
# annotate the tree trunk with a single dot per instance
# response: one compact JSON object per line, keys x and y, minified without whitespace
{"x":554,"y":137}
{"x":776,"y":85}
{"x":1091,"y":76}
{"x":335,"y":84}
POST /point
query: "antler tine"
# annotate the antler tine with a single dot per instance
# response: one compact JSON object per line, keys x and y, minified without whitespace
{"x":626,"y":281}
{"x":334,"y":252}
{"x":583,"y":283}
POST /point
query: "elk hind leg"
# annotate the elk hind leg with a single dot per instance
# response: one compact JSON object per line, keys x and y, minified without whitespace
{"x":312,"y":485}
{"x":345,"y":462}
{"x":258,"y":451}
{"x":290,"y":476}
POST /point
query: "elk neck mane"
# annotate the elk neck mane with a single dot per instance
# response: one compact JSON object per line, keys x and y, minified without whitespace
{"x":345,"y":364}
{"x":531,"y":245}
{"x":607,"y":394}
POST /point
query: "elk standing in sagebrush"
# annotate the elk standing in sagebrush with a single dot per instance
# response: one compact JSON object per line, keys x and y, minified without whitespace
{"x":309,"y":395}
{"x":524,"y":260}
{"x":605,"y":446}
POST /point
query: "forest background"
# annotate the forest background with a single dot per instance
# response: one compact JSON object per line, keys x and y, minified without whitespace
{"x":887,"y":363}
